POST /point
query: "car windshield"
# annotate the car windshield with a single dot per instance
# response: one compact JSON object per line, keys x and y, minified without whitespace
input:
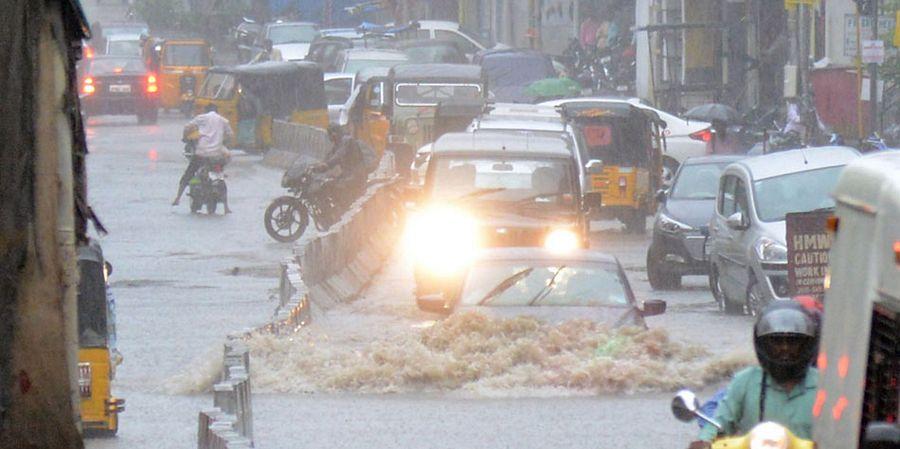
{"x":186,"y":55}
{"x":130,"y":48}
{"x":115,"y":65}
{"x":545,"y":284}
{"x":517,"y":71}
{"x":547,"y":181}
{"x":697,"y":182}
{"x":290,"y":34}
{"x":217,"y":86}
{"x":432,"y":94}
{"x":795,"y":192}
{"x":355,"y":65}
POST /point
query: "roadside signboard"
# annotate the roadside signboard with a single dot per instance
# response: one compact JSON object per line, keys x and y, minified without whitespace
{"x":872,"y":51}
{"x":808,"y":243}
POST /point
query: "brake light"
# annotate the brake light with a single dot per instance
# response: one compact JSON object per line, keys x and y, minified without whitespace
{"x":152,"y":88}
{"x":88,"y":52}
{"x":88,"y":86}
{"x":84,"y":379}
{"x":704,"y":135}
{"x":117,"y":70}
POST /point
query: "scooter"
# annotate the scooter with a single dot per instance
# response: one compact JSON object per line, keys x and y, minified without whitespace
{"x":686,"y":408}
{"x":207,"y":187}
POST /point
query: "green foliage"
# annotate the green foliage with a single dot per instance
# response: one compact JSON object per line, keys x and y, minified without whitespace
{"x":161,"y":14}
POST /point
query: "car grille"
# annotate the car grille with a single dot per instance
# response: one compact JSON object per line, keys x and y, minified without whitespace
{"x":501,"y":236}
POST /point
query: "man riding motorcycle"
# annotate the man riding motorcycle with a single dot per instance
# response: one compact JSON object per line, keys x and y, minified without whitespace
{"x":347,"y":155}
{"x":783,"y":388}
{"x":213,"y":131}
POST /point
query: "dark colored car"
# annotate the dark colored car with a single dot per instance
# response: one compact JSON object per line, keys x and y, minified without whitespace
{"x":680,"y":229}
{"x":325,"y":50}
{"x":510,"y":72}
{"x":437,"y":51}
{"x":119,"y":85}
{"x":550,"y":286}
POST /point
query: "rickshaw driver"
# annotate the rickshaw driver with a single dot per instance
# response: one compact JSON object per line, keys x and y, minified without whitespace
{"x":214,"y":130}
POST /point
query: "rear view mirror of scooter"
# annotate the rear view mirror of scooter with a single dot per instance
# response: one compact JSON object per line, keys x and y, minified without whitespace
{"x":686,"y":407}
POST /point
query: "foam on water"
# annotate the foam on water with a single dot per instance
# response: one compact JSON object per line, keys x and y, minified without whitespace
{"x":471,"y":353}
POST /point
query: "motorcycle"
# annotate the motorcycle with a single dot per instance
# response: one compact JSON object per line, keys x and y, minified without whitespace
{"x":207,"y":186}
{"x":686,"y":408}
{"x":312,"y":195}
{"x":605,"y":72}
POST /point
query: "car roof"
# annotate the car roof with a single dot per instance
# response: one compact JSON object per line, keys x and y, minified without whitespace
{"x":438,"y":24}
{"x":338,"y":75}
{"x":712,"y":159}
{"x":791,"y":161}
{"x":512,"y":53}
{"x":375,"y":53}
{"x":541,"y":254}
{"x":446,"y":71}
{"x":124,"y":37}
{"x":368,"y":73}
{"x":520,"y":123}
{"x":416,"y":43}
{"x":515,"y":144}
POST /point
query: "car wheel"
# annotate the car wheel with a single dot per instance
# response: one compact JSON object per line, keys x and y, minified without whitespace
{"x":658,"y":277}
{"x":725,"y":304}
{"x":636,"y":222}
{"x":756,"y":301}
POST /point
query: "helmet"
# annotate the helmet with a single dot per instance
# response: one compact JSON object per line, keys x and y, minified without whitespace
{"x":784,"y":338}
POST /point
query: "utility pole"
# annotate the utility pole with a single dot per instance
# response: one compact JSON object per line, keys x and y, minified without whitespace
{"x":873,"y":72}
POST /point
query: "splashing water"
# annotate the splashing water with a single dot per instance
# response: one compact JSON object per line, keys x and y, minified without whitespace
{"x":471,"y":352}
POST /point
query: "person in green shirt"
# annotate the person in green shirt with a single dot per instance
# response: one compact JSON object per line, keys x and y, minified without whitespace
{"x":782,"y":388}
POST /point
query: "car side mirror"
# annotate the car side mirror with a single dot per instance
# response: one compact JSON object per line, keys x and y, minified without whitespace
{"x":881,"y":435}
{"x":661,"y":196}
{"x":433,"y":303}
{"x":736,"y":221}
{"x":594,"y":167}
{"x":592,"y":201}
{"x":653,"y":307}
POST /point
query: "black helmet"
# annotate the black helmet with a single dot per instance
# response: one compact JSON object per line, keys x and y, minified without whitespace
{"x":784,"y":322}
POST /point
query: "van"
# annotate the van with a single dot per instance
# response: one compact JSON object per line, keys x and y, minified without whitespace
{"x":859,"y":360}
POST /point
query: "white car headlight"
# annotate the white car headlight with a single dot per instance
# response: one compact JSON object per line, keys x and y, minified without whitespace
{"x":561,"y":241}
{"x":769,"y":250}
{"x":442,"y":240}
{"x":669,"y":224}
{"x":769,"y":435}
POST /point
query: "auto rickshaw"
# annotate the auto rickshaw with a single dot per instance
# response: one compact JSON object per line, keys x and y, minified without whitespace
{"x":96,"y":361}
{"x":182,"y":66}
{"x":629,"y":143}
{"x":365,"y":114}
{"x":251,"y":96}
{"x":415,"y":104}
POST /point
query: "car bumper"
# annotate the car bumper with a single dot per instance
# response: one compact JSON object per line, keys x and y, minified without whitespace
{"x":774,"y":280}
{"x":98,"y":105}
{"x":683,"y":254}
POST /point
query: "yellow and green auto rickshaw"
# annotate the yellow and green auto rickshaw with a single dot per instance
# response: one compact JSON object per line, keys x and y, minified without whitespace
{"x":182,"y":66}
{"x":251,"y":96}
{"x":96,"y":358}
{"x":628,"y":141}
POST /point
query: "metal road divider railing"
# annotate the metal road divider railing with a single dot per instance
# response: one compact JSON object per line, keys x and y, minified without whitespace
{"x":332,"y":268}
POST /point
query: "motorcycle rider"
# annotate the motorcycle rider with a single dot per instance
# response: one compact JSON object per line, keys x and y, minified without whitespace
{"x":214,"y":130}
{"x":783,"y":388}
{"x":347,"y":155}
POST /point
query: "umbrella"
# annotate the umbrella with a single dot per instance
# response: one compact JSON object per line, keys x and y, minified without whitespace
{"x":714,"y":111}
{"x":554,"y":88}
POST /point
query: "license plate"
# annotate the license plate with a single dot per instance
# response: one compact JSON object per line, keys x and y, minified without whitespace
{"x":120,"y":88}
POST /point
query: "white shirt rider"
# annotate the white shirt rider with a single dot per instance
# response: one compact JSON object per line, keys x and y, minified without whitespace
{"x":214,"y":130}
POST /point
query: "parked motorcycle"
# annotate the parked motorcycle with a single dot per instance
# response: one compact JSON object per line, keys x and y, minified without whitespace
{"x":686,"y":408}
{"x":609,"y":71}
{"x":312,"y":195}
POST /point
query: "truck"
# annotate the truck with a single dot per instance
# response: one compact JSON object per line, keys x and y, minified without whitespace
{"x":856,"y":403}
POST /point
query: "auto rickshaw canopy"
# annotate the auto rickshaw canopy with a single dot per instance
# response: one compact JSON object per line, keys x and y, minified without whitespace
{"x":92,"y":306}
{"x":281,"y":87}
{"x":616,"y":132}
{"x":438,"y":73}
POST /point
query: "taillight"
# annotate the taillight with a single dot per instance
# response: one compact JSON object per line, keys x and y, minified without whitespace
{"x":152,"y":88}
{"x":88,"y":86}
{"x":88,"y":52}
{"x":84,"y":379}
{"x":704,"y":135}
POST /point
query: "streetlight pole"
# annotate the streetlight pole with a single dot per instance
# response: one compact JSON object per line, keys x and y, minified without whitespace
{"x":873,"y":74}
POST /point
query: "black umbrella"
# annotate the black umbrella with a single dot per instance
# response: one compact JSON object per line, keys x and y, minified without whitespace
{"x":713,"y":111}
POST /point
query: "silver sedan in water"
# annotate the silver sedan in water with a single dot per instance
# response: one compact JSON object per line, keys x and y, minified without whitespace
{"x":551,"y":285}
